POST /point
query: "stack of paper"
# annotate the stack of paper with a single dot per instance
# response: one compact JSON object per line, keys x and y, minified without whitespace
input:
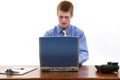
{"x":18,"y":70}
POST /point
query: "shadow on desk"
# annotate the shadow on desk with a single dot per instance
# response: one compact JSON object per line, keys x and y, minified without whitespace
{"x":107,"y":74}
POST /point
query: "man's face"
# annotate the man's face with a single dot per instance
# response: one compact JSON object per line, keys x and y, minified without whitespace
{"x":64,"y":18}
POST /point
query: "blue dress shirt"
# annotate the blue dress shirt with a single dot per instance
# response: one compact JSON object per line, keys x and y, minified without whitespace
{"x":72,"y":31}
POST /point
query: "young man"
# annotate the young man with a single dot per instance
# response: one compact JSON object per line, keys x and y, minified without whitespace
{"x":64,"y":28}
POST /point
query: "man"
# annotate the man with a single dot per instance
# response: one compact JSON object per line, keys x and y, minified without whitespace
{"x":64,"y":28}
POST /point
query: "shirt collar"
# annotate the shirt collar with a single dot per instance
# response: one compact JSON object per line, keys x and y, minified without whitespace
{"x":59,"y":29}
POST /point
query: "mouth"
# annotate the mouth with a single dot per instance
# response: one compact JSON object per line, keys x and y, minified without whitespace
{"x":64,"y":23}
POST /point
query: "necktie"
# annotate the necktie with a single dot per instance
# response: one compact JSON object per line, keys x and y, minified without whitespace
{"x":64,"y":32}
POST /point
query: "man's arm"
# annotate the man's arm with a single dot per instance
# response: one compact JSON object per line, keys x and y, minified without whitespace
{"x":83,"y":56}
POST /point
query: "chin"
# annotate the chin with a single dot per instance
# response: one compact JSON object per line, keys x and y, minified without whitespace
{"x":63,"y":26}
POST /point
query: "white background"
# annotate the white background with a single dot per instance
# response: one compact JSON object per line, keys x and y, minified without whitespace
{"x":22,"y":22}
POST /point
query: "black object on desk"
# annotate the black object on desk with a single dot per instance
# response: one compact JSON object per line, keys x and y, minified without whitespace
{"x":110,"y":67}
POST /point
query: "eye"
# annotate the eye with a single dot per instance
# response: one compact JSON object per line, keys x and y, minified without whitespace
{"x":60,"y":16}
{"x":66,"y":16}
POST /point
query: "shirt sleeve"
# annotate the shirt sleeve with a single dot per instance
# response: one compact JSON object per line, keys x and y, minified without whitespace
{"x":46,"y":34}
{"x":83,"y":56}
{"x":49,"y":33}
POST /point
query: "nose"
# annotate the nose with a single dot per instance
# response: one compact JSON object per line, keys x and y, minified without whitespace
{"x":63,"y":19}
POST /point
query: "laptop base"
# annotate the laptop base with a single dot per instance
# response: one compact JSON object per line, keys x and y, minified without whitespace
{"x":59,"y":68}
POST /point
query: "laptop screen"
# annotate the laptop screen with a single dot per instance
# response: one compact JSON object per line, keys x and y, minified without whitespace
{"x":59,"y":51}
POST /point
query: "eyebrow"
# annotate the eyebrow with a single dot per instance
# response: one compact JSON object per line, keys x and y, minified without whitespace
{"x":63,"y":16}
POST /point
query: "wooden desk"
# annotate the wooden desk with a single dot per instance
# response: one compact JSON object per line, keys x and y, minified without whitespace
{"x":86,"y":72}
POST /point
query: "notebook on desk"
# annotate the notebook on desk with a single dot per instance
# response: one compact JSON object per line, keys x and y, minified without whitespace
{"x":59,"y":53}
{"x":17,"y":70}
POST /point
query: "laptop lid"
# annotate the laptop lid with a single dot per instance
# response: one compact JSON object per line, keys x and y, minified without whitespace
{"x":59,"y":53}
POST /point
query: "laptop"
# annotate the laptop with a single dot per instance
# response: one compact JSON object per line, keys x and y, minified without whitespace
{"x":59,"y":53}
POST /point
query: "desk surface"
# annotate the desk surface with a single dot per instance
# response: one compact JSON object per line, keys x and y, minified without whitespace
{"x":86,"y":72}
